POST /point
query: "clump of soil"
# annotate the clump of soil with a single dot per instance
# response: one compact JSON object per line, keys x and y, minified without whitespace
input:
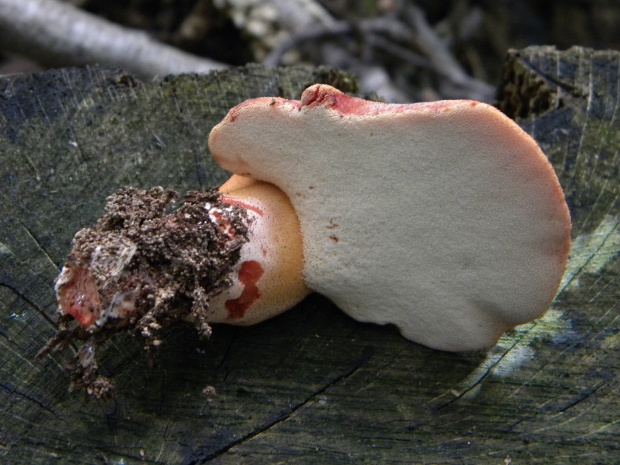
{"x":144,"y":267}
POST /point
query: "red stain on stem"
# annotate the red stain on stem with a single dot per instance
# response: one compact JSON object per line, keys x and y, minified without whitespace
{"x":249,"y":275}
{"x":79,"y":297}
{"x":247,"y":206}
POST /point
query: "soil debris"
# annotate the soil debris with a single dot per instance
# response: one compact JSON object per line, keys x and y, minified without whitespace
{"x":144,"y":266}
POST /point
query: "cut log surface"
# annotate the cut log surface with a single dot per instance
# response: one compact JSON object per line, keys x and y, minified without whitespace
{"x":312,"y":385}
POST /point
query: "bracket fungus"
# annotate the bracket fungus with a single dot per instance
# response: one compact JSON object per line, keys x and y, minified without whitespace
{"x":444,"y":219}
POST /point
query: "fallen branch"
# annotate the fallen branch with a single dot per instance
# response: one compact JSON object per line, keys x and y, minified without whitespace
{"x":370,"y":30}
{"x":57,"y":34}
{"x":444,"y":63}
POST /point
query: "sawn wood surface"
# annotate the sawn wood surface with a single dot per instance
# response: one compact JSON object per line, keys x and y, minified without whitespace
{"x":311,"y":386}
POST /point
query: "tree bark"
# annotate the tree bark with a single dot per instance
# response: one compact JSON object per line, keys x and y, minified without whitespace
{"x":312,"y":385}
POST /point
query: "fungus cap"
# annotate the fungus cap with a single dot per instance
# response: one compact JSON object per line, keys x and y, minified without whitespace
{"x":443,"y":218}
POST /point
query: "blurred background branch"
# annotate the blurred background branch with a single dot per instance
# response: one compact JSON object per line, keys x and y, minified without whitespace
{"x":57,"y":34}
{"x":403,"y":50}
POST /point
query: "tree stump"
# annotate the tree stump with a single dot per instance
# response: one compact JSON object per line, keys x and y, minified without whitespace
{"x":312,"y":385}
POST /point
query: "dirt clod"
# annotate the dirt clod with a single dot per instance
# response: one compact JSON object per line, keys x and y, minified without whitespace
{"x":144,"y":267}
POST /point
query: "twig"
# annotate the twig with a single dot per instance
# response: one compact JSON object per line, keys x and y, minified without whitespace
{"x":312,"y":33}
{"x":427,"y":41}
{"x":370,"y":30}
{"x":399,"y":51}
{"x":57,"y":34}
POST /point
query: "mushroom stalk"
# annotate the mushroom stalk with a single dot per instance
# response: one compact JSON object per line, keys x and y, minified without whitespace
{"x":232,"y":256}
{"x":267,"y":278}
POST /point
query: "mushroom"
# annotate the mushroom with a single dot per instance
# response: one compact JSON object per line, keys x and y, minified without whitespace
{"x":444,"y":218}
